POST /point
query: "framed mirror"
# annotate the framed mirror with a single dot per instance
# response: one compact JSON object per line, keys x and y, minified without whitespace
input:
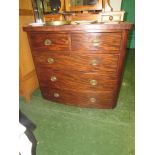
{"x":46,"y":10}
{"x":83,"y":5}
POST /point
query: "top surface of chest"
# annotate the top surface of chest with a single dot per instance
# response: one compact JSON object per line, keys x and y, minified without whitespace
{"x":100,"y":27}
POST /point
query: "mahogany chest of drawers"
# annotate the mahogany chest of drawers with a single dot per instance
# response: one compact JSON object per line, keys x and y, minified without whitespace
{"x":79,"y":65}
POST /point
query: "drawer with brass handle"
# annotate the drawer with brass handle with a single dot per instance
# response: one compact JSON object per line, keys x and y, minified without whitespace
{"x":50,"y":42}
{"x":80,"y":98}
{"x":100,"y":63}
{"x":75,"y":80}
{"x":97,"y":42}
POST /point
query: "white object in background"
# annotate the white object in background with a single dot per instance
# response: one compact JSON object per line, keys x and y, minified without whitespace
{"x":112,"y":17}
{"x":25,"y":146}
{"x":106,"y":6}
{"x":116,"y":4}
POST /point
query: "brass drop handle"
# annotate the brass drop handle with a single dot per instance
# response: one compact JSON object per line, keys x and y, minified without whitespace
{"x":56,"y":95}
{"x":96,"y":41}
{"x":50,"y":60}
{"x":93,"y":82}
{"x":53,"y":78}
{"x":47,"y":42}
{"x":92,"y":100}
{"x":94,"y":62}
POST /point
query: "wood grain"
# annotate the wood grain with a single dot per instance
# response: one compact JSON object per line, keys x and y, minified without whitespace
{"x":25,"y":12}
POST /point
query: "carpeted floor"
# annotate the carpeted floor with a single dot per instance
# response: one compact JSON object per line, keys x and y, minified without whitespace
{"x":67,"y":130}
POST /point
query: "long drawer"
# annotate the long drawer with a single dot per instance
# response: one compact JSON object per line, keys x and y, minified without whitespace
{"x":100,"y":63}
{"x":49,"y":41}
{"x":105,"y":42}
{"x":75,"y":80}
{"x":79,"y":98}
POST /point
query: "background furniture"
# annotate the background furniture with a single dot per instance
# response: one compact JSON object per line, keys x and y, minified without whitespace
{"x":27,"y":76}
{"x":80,"y":64}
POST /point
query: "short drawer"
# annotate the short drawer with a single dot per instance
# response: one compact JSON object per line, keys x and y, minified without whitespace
{"x":102,"y":42}
{"x":75,"y":80}
{"x":100,"y":63}
{"x":46,"y":41}
{"x":85,"y":99}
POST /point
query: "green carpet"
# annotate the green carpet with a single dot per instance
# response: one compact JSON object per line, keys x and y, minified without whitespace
{"x":68,"y":130}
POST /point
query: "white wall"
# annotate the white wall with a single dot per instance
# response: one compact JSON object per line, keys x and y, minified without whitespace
{"x":116,"y":4}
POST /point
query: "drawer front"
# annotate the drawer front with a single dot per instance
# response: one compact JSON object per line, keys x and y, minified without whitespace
{"x":75,"y":80}
{"x":79,"y":98}
{"x":103,"y":42}
{"x":46,"y":41}
{"x":100,"y":63}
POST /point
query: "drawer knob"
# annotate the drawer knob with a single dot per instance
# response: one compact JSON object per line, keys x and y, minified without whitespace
{"x":110,"y":18}
{"x":96,"y":41}
{"x":93,"y":82}
{"x":53,"y":78}
{"x":92,"y":100}
{"x":50,"y":60}
{"x":56,"y":95}
{"x":94,"y":62}
{"x":47,"y":42}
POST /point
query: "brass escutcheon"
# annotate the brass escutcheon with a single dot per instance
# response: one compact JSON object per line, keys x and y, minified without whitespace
{"x":50,"y":60}
{"x":93,"y":82}
{"x":93,"y":100}
{"x":47,"y":42}
{"x":56,"y":95}
{"x":53,"y":78}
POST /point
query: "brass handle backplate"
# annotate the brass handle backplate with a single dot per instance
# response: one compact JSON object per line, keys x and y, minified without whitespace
{"x":96,"y":41}
{"x":92,"y":100}
{"x":93,"y":82}
{"x":94,"y":62}
{"x":47,"y":42}
{"x":56,"y":95}
{"x":50,"y":60}
{"x":53,"y":78}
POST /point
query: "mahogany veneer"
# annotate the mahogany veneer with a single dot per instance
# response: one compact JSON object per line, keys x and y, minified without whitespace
{"x":79,"y":65}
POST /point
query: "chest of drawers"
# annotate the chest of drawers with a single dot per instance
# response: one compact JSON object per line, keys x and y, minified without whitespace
{"x":79,"y":65}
